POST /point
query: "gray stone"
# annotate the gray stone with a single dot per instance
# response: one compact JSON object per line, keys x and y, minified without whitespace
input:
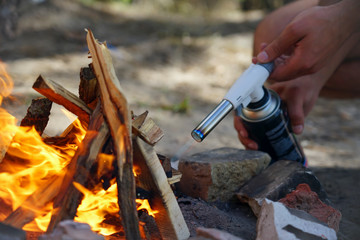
{"x":70,"y":230}
{"x":218,"y":174}
{"x":279,"y":179}
{"x":8,"y":232}
{"x":277,"y":222}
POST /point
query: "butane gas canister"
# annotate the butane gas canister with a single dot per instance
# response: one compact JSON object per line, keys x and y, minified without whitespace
{"x":268,"y":124}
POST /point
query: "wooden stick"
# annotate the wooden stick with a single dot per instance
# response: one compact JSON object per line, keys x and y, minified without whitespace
{"x":61,"y":96}
{"x":68,"y":199}
{"x":118,"y":118}
{"x":169,"y":219}
{"x":38,"y":114}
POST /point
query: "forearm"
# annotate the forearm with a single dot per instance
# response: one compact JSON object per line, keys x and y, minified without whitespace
{"x":340,"y":56}
{"x":349,"y":15}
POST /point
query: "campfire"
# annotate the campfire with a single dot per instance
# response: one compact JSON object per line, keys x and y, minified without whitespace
{"x":101,"y":170}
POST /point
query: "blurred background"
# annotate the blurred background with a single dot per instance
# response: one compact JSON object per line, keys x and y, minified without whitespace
{"x":176,"y":59}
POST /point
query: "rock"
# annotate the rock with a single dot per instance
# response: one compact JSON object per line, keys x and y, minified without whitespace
{"x":302,"y":198}
{"x":277,"y":222}
{"x":218,"y":174}
{"x":69,"y":229}
{"x":8,"y":232}
{"x":279,"y":179}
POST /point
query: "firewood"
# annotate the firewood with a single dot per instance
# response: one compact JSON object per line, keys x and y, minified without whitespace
{"x":38,"y":114}
{"x":152,"y":177}
{"x":88,"y":90}
{"x":117,"y":115}
{"x":68,"y":199}
{"x":165,"y":163}
{"x":138,"y":121}
{"x":146,"y":128}
{"x":61,"y":96}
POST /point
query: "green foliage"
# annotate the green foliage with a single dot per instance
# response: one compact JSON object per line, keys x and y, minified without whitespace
{"x":182,"y":107}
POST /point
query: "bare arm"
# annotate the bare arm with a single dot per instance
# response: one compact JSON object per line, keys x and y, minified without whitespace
{"x":311,"y":38}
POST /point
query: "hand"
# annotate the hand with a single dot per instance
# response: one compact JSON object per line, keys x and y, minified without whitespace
{"x":243,"y":134}
{"x":299,"y":95}
{"x":305,"y":44}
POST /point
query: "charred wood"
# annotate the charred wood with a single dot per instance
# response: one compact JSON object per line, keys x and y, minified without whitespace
{"x":38,"y":114}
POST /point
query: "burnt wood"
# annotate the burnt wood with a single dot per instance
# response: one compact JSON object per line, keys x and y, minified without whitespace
{"x":38,"y":114}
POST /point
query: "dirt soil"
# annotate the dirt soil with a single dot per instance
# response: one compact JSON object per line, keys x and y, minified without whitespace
{"x":177,"y":66}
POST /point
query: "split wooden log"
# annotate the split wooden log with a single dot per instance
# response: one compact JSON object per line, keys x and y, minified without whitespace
{"x":169,"y":219}
{"x":146,"y":128}
{"x":118,"y":118}
{"x":61,"y":96}
{"x":69,"y":198}
{"x":38,"y":114}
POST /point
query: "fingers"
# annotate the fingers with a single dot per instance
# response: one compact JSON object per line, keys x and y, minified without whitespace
{"x":243,"y":134}
{"x":296,"y":114}
{"x":280,"y":45}
{"x":262,"y":46}
{"x":295,"y":102}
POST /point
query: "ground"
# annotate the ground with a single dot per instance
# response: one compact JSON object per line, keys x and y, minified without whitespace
{"x":177,"y":66}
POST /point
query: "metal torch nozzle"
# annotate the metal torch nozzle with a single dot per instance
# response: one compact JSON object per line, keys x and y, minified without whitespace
{"x":211,"y":120}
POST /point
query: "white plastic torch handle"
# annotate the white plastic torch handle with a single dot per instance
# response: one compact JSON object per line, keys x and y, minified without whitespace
{"x":247,"y":87}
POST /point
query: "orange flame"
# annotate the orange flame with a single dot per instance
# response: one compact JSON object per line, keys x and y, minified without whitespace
{"x":26,"y":162}
{"x":97,"y":204}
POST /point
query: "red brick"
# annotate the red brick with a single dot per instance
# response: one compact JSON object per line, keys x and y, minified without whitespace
{"x":302,"y":198}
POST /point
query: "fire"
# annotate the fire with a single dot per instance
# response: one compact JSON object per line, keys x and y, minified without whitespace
{"x":96,"y":205}
{"x":99,"y":203}
{"x":28,"y":164}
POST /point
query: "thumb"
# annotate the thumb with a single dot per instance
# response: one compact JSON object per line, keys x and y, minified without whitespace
{"x":279,"y":46}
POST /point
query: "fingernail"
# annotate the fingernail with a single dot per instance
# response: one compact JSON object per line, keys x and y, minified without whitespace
{"x":298,"y":129}
{"x":262,"y":56}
